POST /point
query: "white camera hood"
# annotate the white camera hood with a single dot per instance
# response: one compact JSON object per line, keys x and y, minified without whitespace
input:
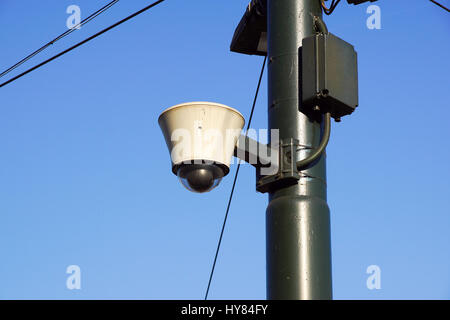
{"x":201,"y":132}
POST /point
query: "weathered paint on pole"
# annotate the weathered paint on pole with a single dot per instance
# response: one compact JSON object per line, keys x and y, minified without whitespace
{"x":297,"y":217}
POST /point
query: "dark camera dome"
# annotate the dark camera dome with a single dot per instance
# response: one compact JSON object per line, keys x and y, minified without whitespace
{"x":200,"y":177}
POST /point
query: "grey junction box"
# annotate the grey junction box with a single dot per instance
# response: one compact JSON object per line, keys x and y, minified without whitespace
{"x":329,"y":75}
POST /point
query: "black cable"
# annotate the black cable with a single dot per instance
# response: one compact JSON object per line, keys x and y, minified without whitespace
{"x":83,"y":22}
{"x":322,"y":3}
{"x":440,"y":5}
{"x":234,"y":182}
{"x":82,"y":42}
{"x":333,"y":6}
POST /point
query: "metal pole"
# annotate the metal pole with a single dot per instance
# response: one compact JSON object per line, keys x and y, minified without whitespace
{"x":297,"y":217}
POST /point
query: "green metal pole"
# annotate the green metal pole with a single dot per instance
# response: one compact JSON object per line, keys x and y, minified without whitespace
{"x":297,"y":217}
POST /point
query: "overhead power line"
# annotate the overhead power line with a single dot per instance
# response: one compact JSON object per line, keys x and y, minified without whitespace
{"x":234,"y":183}
{"x":440,"y":5}
{"x":82,"y":23}
{"x":82,"y":42}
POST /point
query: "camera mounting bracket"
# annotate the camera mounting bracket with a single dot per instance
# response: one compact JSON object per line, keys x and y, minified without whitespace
{"x":287,"y":173}
{"x":276,"y":167}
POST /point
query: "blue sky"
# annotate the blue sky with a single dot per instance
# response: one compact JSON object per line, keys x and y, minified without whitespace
{"x":85,"y":175}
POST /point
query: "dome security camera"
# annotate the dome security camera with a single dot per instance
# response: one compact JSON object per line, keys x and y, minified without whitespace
{"x":201,"y":138}
{"x":201,"y":178}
